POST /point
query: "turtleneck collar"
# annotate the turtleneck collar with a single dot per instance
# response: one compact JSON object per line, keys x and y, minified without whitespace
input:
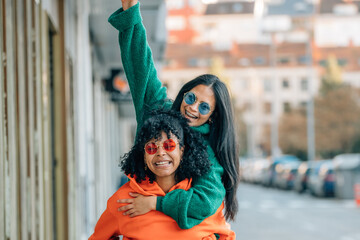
{"x":203,"y":129}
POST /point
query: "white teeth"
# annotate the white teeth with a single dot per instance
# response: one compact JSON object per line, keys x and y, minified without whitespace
{"x":162,"y":163}
{"x":190,"y":115}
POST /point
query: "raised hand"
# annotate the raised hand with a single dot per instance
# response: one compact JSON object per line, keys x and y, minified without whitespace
{"x":126,"y":4}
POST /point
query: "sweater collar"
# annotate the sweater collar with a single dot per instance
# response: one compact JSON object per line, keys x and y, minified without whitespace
{"x":151,"y":189}
{"x":203,"y":129}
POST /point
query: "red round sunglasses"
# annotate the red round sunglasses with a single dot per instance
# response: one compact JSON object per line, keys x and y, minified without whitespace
{"x":169,"y":145}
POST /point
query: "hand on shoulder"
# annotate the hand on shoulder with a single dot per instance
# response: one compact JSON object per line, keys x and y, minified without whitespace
{"x":126,"y":4}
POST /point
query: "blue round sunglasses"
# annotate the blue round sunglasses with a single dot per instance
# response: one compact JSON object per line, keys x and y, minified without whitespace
{"x":190,"y":98}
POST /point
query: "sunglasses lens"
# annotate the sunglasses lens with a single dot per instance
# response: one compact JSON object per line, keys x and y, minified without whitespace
{"x":204,"y":108}
{"x":169,"y":145}
{"x":151,"y":148}
{"x":189,"y":98}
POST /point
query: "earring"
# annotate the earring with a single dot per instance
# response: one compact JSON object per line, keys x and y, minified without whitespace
{"x":210,"y":121}
{"x":145,"y":167}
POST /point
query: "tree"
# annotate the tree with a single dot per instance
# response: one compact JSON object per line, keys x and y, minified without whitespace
{"x":336,"y":125}
{"x":337,"y":121}
{"x":332,"y":77}
{"x":292,"y":133}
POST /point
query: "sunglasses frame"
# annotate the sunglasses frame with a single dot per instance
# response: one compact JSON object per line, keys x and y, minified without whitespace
{"x":171,"y":141}
{"x":185,"y":94}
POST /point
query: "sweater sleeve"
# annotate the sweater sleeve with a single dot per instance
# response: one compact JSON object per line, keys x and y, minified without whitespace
{"x":145,"y":86}
{"x":191,"y":207}
{"x":106,"y":227}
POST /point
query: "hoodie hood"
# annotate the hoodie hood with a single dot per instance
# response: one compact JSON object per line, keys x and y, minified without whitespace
{"x":153,"y":189}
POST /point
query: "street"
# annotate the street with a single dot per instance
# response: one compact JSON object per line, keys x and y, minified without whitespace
{"x":272,"y":214}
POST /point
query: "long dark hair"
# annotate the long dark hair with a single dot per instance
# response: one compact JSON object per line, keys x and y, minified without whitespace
{"x":194,"y":162}
{"x":222,"y":136}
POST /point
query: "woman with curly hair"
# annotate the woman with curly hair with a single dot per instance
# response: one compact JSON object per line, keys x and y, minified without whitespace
{"x":206,"y":103}
{"x":167,"y":155}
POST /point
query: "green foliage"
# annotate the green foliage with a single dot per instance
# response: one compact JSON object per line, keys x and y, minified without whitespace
{"x":331,"y":80}
{"x":337,"y":125}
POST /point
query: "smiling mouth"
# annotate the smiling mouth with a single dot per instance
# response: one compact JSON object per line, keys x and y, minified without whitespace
{"x":162,"y":163}
{"x":190,"y":115}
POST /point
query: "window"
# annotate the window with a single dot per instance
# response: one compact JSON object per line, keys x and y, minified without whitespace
{"x":303,"y":105}
{"x":284,"y":60}
{"x":304,"y":84}
{"x":205,"y":62}
{"x":323,"y":62}
{"x":267,"y":85}
{"x":237,"y":7}
{"x":170,"y":63}
{"x":245,"y":62}
{"x":285,"y":83}
{"x":342,"y":62}
{"x":259,"y":60}
{"x":303,"y":60}
{"x":287,"y":107}
{"x":192,"y":62}
{"x":267,"y":107}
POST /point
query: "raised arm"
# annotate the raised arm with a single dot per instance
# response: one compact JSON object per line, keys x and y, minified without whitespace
{"x":146,"y":89}
{"x":189,"y":208}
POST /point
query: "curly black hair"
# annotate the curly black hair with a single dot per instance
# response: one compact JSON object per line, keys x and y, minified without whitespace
{"x":194,"y":163}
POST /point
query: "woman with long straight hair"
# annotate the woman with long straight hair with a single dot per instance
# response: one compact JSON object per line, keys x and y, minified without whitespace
{"x":205,"y":102}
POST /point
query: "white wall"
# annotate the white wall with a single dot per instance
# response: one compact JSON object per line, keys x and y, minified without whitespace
{"x":330,"y":31}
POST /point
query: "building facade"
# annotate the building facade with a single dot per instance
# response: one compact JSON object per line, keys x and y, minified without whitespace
{"x":274,"y":61}
{"x":63,"y":127}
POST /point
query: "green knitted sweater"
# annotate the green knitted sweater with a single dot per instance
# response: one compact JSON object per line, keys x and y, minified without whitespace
{"x":187,"y":208}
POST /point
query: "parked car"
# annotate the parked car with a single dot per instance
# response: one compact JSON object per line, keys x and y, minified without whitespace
{"x":259,"y":168}
{"x":347,"y":173}
{"x":271,"y":174}
{"x":302,"y":176}
{"x":252,"y":170}
{"x":286,"y":175}
{"x":245,"y":166}
{"x":322,"y":179}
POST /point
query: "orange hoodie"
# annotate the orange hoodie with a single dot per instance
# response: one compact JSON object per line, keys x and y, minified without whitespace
{"x":155,"y":224}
